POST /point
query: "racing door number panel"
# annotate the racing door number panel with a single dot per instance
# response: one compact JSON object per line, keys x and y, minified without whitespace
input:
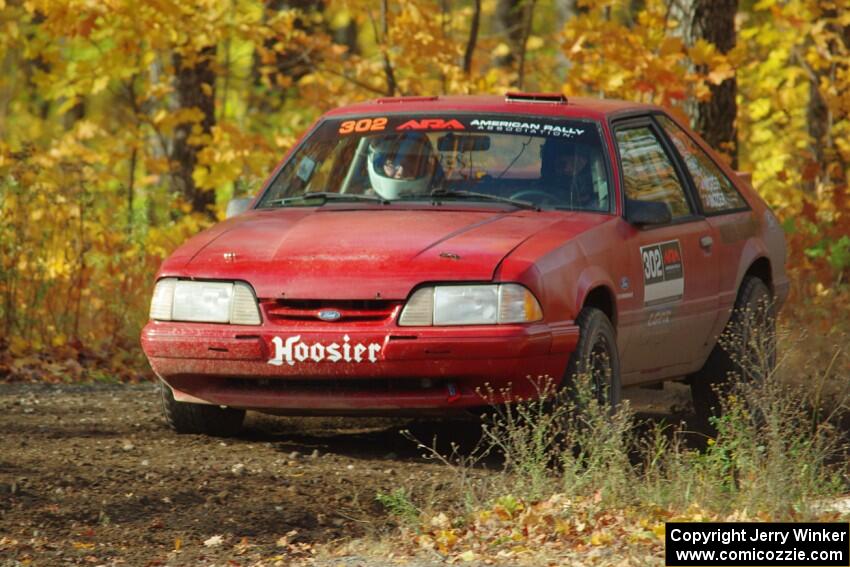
{"x":663,"y":272}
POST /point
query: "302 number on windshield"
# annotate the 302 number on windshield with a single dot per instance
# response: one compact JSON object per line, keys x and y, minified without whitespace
{"x":363,"y":125}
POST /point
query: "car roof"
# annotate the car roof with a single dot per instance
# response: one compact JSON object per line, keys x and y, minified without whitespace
{"x":514,"y":104}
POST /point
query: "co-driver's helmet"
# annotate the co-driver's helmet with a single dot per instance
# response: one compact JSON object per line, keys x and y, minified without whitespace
{"x":401,"y":165}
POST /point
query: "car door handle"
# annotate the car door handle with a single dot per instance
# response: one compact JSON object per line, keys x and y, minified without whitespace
{"x":706,"y":242}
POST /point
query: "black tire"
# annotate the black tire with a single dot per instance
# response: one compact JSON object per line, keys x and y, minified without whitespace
{"x":596,"y":355}
{"x":199,"y":418}
{"x":745,"y":351}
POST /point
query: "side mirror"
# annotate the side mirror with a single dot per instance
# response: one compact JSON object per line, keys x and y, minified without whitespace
{"x":237,"y":206}
{"x":645,"y":213}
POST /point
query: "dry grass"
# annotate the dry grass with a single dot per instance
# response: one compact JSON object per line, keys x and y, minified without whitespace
{"x":778,"y":452}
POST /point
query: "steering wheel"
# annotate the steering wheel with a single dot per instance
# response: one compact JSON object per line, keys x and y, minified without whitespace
{"x":535,"y":196}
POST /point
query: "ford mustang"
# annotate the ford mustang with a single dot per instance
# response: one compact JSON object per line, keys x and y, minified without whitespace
{"x":410,"y":252}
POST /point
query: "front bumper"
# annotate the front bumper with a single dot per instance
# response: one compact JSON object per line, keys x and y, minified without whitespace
{"x":413,"y":370}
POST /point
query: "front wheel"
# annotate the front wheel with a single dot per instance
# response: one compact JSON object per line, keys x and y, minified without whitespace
{"x":595,"y":360}
{"x":202,"y":419}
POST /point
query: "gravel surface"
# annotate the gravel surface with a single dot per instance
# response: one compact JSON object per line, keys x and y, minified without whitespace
{"x":89,"y":475}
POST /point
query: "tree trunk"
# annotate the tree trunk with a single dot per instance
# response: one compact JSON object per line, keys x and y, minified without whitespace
{"x":826,"y":166}
{"x":817,"y":123}
{"x":473,"y":38}
{"x":195,"y":89}
{"x":347,"y":36}
{"x":389,"y":71}
{"x":714,"y":21}
{"x":509,"y":14}
{"x":516,"y":18}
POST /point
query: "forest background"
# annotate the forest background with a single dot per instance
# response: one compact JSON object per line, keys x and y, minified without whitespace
{"x":126,"y":126}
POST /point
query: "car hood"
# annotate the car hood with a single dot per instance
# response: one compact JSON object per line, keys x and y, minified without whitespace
{"x":329,"y":253}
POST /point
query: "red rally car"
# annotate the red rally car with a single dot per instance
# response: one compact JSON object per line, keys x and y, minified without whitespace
{"x":409,"y":251}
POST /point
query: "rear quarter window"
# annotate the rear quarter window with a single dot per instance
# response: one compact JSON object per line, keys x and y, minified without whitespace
{"x":716,"y":192}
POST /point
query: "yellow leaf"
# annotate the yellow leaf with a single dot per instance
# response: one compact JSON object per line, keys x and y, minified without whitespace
{"x":721,"y":73}
{"x":82,"y":545}
{"x":99,"y":84}
{"x":69,"y":103}
{"x":670,"y":46}
{"x":18,"y":346}
{"x":446,"y":539}
{"x":702,"y":52}
{"x":467,"y":556}
{"x":501,"y":50}
{"x":534,"y":42}
{"x":561,"y":526}
{"x":600,"y":538}
{"x":576,"y":48}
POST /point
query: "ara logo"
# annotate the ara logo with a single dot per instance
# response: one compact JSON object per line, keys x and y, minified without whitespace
{"x":293,"y":350}
{"x":431,"y":124}
{"x":672,"y":256}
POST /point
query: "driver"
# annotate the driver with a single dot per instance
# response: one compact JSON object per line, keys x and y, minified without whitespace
{"x":401,"y":165}
{"x":566,"y":173}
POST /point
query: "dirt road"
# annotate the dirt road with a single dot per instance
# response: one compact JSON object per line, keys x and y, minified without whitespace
{"x":89,"y":475}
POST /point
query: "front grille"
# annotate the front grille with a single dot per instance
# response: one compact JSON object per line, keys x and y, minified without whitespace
{"x":355,"y":310}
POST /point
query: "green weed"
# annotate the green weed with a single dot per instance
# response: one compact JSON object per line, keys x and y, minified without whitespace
{"x":399,"y":505}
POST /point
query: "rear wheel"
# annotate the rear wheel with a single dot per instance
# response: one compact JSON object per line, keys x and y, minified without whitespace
{"x":595,"y":359}
{"x":204,"y":419}
{"x":745,"y":351}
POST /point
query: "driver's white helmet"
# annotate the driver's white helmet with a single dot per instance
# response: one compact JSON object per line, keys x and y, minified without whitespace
{"x":401,"y":165}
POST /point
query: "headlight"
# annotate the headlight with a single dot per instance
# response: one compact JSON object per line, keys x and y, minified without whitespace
{"x":470,"y":305}
{"x":206,"y":302}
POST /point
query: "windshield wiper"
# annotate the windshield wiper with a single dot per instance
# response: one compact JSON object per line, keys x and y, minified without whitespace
{"x":436,"y":193}
{"x":325,"y":196}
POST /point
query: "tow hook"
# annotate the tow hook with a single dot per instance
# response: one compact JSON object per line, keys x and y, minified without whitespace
{"x":453,"y":393}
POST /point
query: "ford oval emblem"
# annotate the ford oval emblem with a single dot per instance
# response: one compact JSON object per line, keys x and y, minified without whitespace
{"x":329,"y":315}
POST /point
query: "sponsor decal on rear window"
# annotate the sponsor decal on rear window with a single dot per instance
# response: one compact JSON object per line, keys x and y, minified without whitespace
{"x":663,"y":272}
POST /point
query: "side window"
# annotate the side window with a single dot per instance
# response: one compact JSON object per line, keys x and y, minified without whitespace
{"x":716,"y":192}
{"x":648,"y":173}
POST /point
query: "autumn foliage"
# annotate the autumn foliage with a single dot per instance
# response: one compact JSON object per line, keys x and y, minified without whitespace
{"x":125,"y":127}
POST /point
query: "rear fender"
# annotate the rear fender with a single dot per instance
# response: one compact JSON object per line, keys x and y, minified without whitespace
{"x":753,"y":250}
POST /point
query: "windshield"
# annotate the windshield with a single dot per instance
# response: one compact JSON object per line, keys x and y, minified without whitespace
{"x":547,"y":163}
